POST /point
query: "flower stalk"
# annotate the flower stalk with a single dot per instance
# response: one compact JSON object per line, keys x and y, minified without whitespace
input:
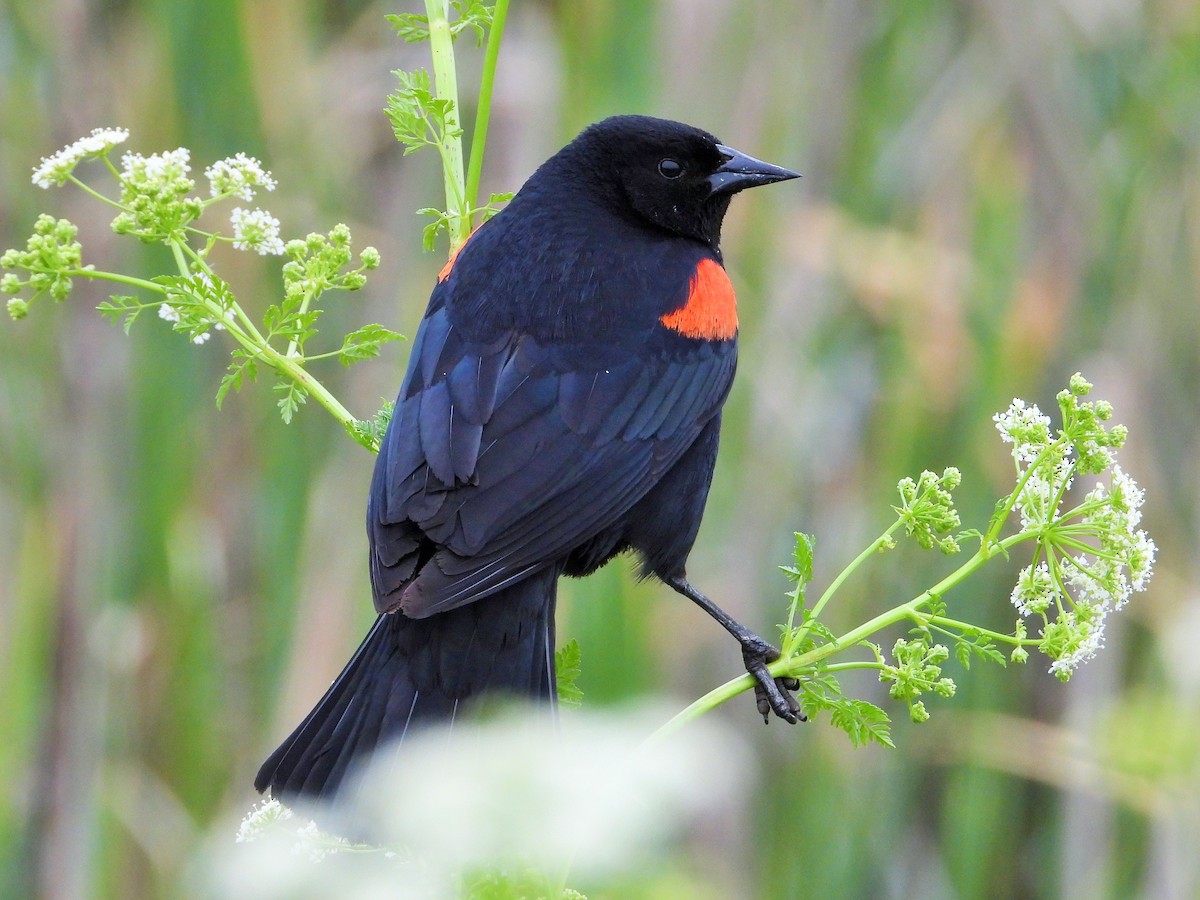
{"x":1086,"y":563}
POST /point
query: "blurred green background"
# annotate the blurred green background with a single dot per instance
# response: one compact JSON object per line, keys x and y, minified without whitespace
{"x":996,"y":195}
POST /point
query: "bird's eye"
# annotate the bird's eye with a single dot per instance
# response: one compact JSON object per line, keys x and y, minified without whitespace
{"x":670,"y":168}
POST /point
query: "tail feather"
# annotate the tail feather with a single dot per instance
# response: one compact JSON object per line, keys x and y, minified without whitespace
{"x":413,"y":672}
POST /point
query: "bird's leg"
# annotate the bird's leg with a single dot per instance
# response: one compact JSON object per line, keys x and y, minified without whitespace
{"x":771,"y":694}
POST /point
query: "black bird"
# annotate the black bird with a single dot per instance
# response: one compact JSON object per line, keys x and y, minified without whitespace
{"x":562,"y":405}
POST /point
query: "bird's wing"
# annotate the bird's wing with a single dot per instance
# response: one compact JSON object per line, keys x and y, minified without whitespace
{"x":502,"y":458}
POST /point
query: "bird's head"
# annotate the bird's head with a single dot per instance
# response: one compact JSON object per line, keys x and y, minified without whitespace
{"x":672,"y":175}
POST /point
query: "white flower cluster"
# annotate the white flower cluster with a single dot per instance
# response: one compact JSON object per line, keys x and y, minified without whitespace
{"x":1034,"y":590}
{"x":270,"y":820}
{"x":54,"y":169}
{"x":256,"y":230}
{"x":168,"y":169}
{"x":1091,"y":558}
{"x":1026,"y":426}
{"x":238,"y":176}
{"x":261,"y":818}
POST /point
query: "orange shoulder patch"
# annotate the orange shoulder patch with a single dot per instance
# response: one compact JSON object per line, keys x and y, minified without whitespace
{"x":445,"y":272}
{"x":710,"y":312}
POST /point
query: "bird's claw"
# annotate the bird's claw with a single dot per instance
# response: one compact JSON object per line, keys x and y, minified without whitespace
{"x":772,"y":695}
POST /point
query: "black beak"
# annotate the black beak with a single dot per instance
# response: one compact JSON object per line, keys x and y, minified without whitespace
{"x":740,"y":171}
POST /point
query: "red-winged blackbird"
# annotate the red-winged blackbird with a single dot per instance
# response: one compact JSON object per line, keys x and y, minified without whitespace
{"x":562,"y":405}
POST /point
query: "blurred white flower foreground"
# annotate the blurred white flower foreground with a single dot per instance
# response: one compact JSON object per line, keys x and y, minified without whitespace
{"x":586,"y":796}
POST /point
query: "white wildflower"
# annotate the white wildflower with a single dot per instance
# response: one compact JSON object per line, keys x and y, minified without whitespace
{"x":1094,"y":557}
{"x":315,"y":844}
{"x":1097,"y":582}
{"x":1141,"y":560}
{"x":1127,"y":497}
{"x":261,"y":819}
{"x":168,"y":313}
{"x":1035,"y":590}
{"x":238,"y":176}
{"x":167,"y":170}
{"x":54,"y":169}
{"x":1025,"y":426}
{"x":1083,"y":631}
{"x":256,"y":230}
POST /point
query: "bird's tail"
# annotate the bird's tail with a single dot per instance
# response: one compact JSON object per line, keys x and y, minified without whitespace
{"x":412,"y":672}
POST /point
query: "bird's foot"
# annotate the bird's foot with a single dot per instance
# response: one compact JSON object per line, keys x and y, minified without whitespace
{"x":772,"y":695}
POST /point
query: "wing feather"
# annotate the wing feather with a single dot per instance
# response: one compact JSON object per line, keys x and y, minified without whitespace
{"x":505,"y":458}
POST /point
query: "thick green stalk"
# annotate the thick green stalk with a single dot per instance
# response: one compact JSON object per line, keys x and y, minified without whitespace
{"x":484,"y":111}
{"x":291,"y":367}
{"x":441,"y":43}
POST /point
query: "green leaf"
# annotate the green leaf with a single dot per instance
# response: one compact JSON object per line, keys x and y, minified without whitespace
{"x":419,"y":119}
{"x":409,"y":27}
{"x":365,"y":342}
{"x":973,"y":643}
{"x":493,"y":205}
{"x":242,"y":367}
{"x":370,"y":432}
{"x":802,"y":555}
{"x":863,"y":722}
{"x":567,"y":669}
{"x":473,"y":14}
{"x":294,"y":396}
{"x":962,"y":652}
{"x":441,"y":221}
{"x":817,"y":629}
{"x":936,"y":606}
{"x":999,"y":514}
{"x":121,"y":309}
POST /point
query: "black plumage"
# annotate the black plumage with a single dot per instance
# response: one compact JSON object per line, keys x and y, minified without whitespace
{"x":562,"y":406}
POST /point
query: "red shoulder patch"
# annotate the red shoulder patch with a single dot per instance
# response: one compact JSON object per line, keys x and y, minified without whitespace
{"x":710,"y":312}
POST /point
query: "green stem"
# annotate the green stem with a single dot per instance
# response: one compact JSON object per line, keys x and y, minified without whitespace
{"x":113,"y":276}
{"x":942,"y":622}
{"x":852,"y":666}
{"x":797,"y":637}
{"x":293,"y":344}
{"x":246,"y":322}
{"x":445,"y":79}
{"x":113,"y":169}
{"x":484,"y":111}
{"x":87,"y":189}
{"x":998,"y":521}
{"x":800,"y":665}
{"x":291,"y":367}
{"x":180,"y":260}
